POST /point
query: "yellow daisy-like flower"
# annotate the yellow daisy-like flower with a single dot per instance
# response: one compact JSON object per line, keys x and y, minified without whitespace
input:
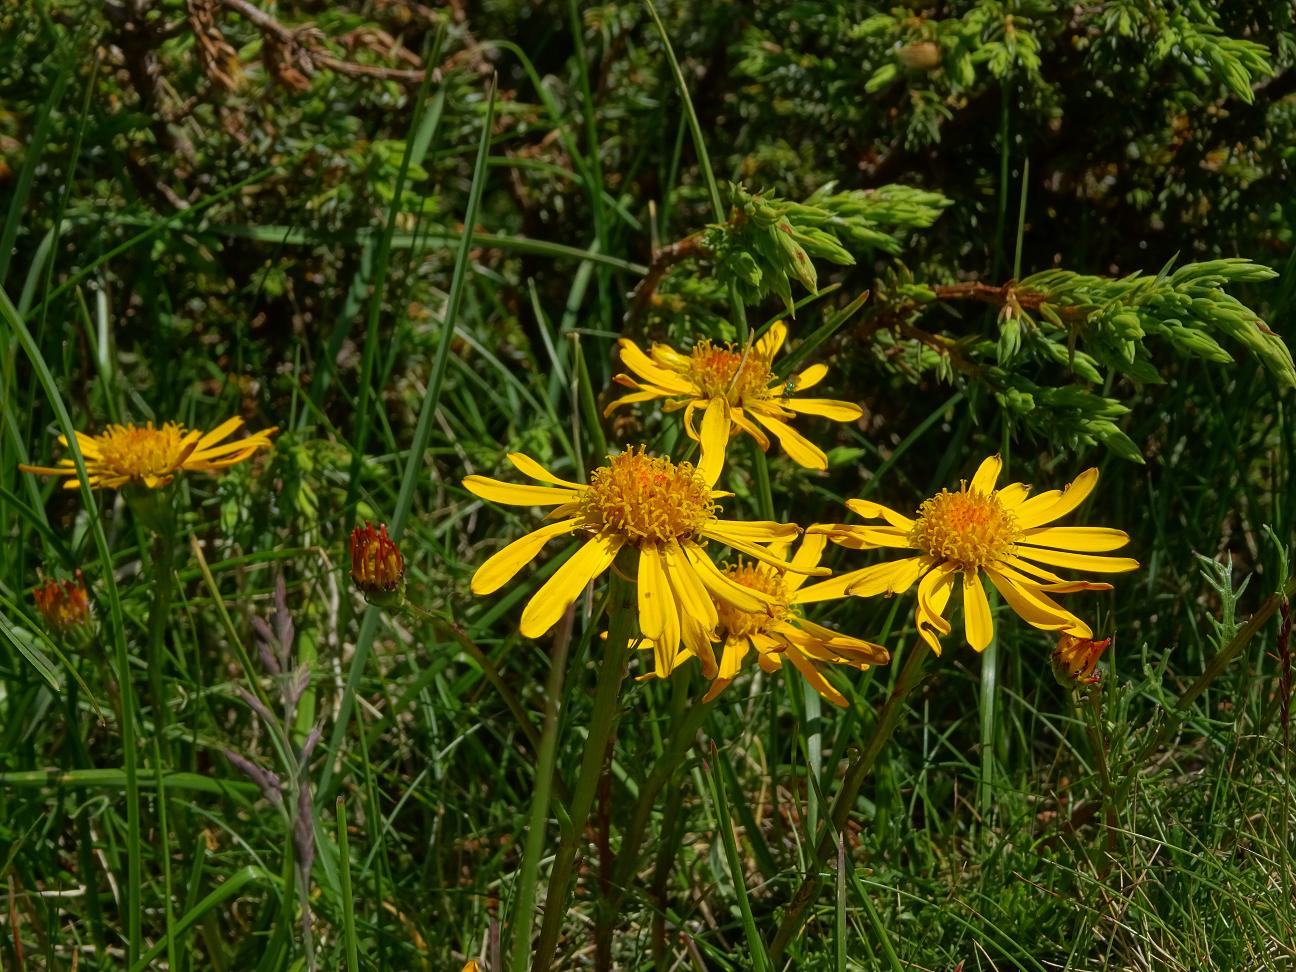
{"x":977,"y":530}
{"x":743,"y":380}
{"x":662,"y":510}
{"x":782,"y":633}
{"x":151,"y":457}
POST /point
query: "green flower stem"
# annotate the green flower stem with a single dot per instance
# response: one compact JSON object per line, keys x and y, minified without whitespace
{"x":1093,"y":727}
{"x":160,"y":611}
{"x":623,"y":623}
{"x":524,"y":901}
{"x":856,"y":774}
{"x":678,"y":747}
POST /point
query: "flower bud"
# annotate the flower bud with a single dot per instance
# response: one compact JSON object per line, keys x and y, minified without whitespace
{"x":1074,"y":660}
{"x":377,"y":567}
{"x":65,"y":607}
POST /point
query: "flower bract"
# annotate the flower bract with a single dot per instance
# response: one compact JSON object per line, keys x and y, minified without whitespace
{"x":757,"y":401}
{"x":662,"y":511}
{"x":146,"y":456}
{"x":782,"y":633}
{"x":1003,"y":534}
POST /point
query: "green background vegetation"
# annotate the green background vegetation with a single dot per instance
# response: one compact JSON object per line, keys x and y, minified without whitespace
{"x":207,"y":209}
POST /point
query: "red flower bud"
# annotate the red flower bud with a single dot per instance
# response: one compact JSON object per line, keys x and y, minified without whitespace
{"x":377,"y":567}
{"x":64,"y":605}
{"x":1074,"y":660}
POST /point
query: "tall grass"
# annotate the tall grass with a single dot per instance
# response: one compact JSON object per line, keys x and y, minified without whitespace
{"x":1002,"y":827}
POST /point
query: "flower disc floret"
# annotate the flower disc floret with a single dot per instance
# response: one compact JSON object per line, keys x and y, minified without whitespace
{"x":646,"y":500}
{"x":969,"y":529}
{"x":729,"y":374}
{"x":736,"y":623}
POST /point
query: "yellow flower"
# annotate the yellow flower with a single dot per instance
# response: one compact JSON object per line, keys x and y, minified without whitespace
{"x":783,"y":632}
{"x":660,"y":509}
{"x":148,"y":456}
{"x":978,"y":530}
{"x":1074,"y":660}
{"x":743,"y":379}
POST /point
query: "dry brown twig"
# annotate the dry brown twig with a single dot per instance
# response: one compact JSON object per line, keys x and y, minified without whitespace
{"x":296,"y":52}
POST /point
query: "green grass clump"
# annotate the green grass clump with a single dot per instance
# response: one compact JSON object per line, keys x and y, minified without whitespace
{"x":409,"y":238}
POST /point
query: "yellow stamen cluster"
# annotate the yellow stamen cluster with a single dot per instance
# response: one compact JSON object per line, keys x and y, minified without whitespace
{"x":646,"y":499}
{"x":736,"y":623}
{"x":727,"y":373}
{"x":137,"y":452}
{"x":969,"y":529}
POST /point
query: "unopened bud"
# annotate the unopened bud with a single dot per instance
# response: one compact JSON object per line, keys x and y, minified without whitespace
{"x":1074,"y":660}
{"x":377,"y":567}
{"x":65,"y":607}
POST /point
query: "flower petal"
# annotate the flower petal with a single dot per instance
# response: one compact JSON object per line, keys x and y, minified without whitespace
{"x":692,"y":595}
{"x":871,"y":537}
{"x":987,"y":475}
{"x":1012,"y":495}
{"x":697,"y":611}
{"x":503,"y":565}
{"x":895,"y":577}
{"x":632,"y":357}
{"x":1033,"y":606}
{"x":977,"y":620}
{"x":824,"y":407}
{"x":1087,"y":539}
{"x":808,"y":555}
{"x":808,"y":378}
{"x":933,"y":594}
{"x":218,"y":434}
{"x":1054,"y":505}
{"x":876,"y":511}
{"x":1063,"y":558}
{"x":815,"y":677}
{"x":754,"y":551}
{"x":757,"y":531}
{"x":799,"y":449}
{"x":1072,"y":587}
{"x":651,"y":592}
{"x":844,"y":646}
{"x":735,"y":650}
{"x":740,"y":419}
{"x":529,"y":467}
{"x":715,"y":439}
{"x":515,"y":494}
{"x":722,"y":586}
{"x":772,"y":340}
{"x":648,"y":394}
{"x":559,"y":591}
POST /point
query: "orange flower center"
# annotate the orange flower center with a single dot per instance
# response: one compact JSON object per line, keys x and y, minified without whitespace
{"x":137,"y":451}
{"x":759,"y":577}
{"x":729,"y":374}
{"x":969,"y":529}
{"x":646,"y":500}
